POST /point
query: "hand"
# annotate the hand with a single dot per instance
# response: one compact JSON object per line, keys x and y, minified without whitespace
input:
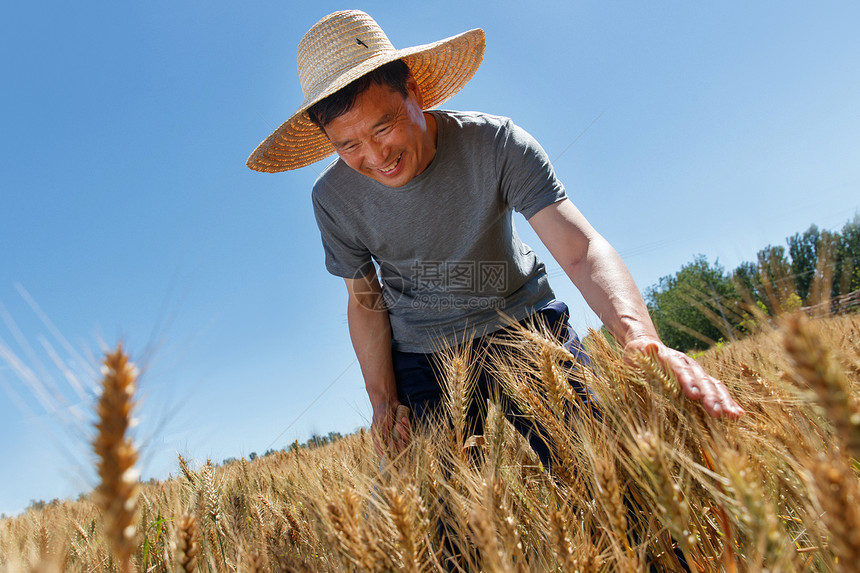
{"x":694,"y":381}
{"x":390,"y":427}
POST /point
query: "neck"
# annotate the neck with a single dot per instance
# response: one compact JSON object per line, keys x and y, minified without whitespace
{"x":430,"y":139}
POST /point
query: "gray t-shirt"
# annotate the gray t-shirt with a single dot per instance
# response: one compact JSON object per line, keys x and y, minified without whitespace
{"x":448,"y":256}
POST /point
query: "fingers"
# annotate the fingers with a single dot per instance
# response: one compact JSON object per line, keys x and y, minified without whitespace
{"x":401,"y":432}
{"x":699,"y":385}
{"x":730,"y":408}
{"x":380,"y":430}
{"x":713,"y":394}
{"x":391,"y":429}
{"x":379,"y":443}
{"x":691,"y":376}
{"x":402,"y":427}
{"x":376,"y":445}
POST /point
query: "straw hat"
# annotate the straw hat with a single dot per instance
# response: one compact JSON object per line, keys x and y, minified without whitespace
{"x":341,"y":48}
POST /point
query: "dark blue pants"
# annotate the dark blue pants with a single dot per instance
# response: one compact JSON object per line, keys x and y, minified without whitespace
{"x":419,"y":387}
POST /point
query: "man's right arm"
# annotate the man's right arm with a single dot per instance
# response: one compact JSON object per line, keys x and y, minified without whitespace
{"x":370,"y":332}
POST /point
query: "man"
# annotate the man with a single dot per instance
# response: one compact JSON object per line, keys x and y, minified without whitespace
{"x":426,"y":197}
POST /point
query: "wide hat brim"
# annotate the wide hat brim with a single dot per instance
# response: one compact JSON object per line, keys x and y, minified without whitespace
{"x":441,"y":69}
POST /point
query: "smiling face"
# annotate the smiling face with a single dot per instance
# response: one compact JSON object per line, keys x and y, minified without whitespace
{"x":385,"y":136}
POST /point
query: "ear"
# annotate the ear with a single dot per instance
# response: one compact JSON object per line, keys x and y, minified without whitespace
{"x":413,"y":89}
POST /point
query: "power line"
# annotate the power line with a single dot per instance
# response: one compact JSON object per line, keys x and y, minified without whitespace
{"x":314,"y":401}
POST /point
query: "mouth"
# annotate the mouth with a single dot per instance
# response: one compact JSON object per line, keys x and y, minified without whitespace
{"x":390,"y":168}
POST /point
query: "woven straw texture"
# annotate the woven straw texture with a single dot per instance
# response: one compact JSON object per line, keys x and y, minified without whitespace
{"x":341,"y":48}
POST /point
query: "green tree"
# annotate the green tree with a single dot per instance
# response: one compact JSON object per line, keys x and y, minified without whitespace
{"x":748,"y":283}
{"x":777,"y":283}
{"x":36,"y":504}
{"x":696,"y":307}
{"x":847,"y":272}
{"x":700,"y":304}
{"x":803,"y":250}
{"x":816,"y":264}
{"x":824,"y":287}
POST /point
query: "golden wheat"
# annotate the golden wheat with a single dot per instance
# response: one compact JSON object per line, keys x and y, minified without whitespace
{"x":118,"y":490}
{"x":651,"y":477}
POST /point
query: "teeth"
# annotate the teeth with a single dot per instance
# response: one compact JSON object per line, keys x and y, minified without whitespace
{"x":392,"y":166}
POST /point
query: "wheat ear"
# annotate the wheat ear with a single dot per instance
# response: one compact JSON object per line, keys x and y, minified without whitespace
{"x":839,"y":496}
{"x":815,"y":364}
{"x":187,"y":548}
{"x":118,"y":491}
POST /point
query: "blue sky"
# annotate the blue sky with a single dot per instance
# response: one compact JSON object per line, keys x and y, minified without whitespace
{"x":127,"y":213}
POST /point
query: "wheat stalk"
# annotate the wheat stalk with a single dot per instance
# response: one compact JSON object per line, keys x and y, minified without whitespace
{"x":770,"y":491}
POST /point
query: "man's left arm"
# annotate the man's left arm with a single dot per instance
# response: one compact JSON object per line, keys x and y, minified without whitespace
{"x":601,"y":276}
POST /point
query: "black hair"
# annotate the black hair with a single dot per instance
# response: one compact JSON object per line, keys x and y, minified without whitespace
{"x":393,"y":74}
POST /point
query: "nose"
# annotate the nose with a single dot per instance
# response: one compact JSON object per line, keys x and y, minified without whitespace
{"x":377,"y":154}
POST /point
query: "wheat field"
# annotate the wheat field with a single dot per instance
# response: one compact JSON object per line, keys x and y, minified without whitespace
{"x":651,"y":484}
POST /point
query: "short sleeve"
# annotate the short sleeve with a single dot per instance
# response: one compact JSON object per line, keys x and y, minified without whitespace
{"x":344,"y":255}
{"x":528,"y":180}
